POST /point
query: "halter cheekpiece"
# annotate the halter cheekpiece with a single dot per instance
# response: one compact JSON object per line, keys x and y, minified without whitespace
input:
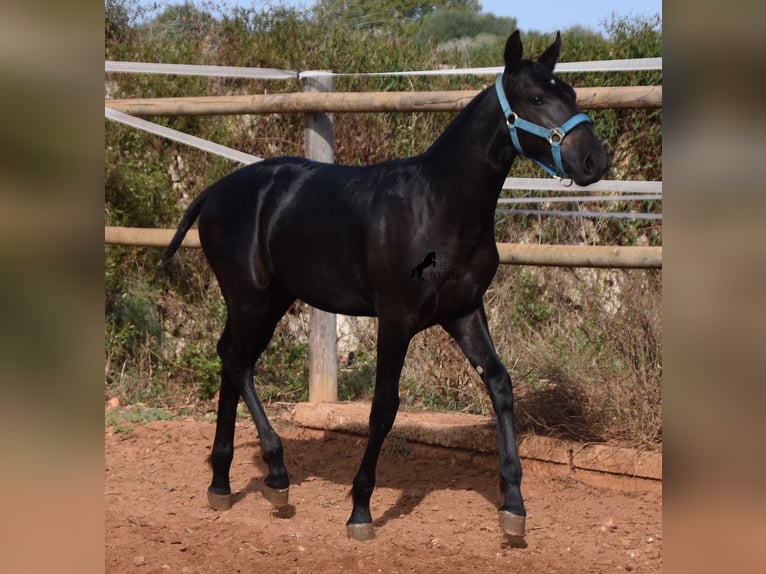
{"x":554,"y":135}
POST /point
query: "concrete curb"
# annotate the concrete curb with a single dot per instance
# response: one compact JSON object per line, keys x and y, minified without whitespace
{"x":473,"y":432}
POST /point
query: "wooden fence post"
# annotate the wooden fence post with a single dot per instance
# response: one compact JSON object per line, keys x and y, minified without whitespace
{"x":323,"y":356}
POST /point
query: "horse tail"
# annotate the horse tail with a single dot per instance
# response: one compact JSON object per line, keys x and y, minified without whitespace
{"x":190,"y":215}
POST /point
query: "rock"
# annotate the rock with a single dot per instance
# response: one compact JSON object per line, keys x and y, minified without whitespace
{"x":608,"y":525}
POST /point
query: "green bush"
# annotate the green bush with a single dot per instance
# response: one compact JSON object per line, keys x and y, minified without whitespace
{"x":443,"y":25}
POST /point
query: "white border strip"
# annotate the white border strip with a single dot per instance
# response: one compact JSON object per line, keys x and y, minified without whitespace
{"x":199,"y":70}
{"x":181,"y":137}
{"x":627,"y":65}
{"x":589,"y":214}
{"x":593,"y":66}
{"x":579,"y":199}
{"x":274,"y":74}
{"x":609,"y":185}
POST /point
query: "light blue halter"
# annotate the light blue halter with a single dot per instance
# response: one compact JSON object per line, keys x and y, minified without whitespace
{"x":554,"y":135}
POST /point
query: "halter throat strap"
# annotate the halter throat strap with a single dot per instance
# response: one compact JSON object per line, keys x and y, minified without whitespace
{"x":554,"y":135}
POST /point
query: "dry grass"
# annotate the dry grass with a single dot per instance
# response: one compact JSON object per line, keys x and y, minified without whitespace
{"x":583,"y":349}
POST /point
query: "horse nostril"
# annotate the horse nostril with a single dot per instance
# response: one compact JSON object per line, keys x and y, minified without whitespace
{"x":588,"y":164}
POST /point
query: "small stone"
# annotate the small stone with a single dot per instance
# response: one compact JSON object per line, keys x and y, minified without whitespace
{"x":138,"y":560}
{"x":608,"y":524}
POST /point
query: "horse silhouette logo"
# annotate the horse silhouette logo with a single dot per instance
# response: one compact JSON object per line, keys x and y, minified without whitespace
{"x":428,"y":261}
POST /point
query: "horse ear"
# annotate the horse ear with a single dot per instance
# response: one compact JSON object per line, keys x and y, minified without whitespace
{"x":513,"y":52}
{"x":551,"y":55}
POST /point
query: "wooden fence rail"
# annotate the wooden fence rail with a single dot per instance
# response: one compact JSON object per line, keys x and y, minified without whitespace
{"x":639,"y":257}
{"x":315,"y":102}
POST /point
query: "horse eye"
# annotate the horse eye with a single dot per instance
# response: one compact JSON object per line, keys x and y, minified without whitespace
{"x":536,"y":100}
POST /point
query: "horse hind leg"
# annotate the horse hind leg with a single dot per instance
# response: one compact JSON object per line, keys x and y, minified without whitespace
{"x":219,"y":491}
{"x":249,"y":329}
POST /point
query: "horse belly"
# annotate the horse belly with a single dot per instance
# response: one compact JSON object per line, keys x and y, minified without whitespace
{"x":331,"y":281}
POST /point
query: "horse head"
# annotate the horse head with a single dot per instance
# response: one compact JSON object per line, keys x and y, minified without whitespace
{"x":544,"y":121}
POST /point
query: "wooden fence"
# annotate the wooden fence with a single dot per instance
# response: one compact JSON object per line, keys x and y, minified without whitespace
{"x":318,"y":102}
{"x":604,"y":256}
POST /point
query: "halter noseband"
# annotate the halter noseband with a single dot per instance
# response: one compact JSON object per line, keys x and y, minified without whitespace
{"x":554,"y":135}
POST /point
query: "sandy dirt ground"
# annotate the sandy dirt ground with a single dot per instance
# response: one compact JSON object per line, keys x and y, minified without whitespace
{"x":434,"y":509}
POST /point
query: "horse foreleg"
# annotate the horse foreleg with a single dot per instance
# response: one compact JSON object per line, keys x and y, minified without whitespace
{"x":392,"y":348}
{"x":472,"y":335}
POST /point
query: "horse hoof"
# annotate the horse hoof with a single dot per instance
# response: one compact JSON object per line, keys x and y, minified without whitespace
{"x":364,"y":531}
{"x":219,"y":501}
{"x":276,"y":496}
{"x":513,"y":524}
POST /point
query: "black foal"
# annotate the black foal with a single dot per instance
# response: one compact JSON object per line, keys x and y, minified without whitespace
{"x":360,"y":241}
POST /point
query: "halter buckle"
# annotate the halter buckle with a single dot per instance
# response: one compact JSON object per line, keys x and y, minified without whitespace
{"x":556,"y":136}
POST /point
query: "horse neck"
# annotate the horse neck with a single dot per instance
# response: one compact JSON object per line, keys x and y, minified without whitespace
{"x":474,"y":154}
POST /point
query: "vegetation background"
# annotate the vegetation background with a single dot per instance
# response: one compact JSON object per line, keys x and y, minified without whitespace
{"x":583,"y":346}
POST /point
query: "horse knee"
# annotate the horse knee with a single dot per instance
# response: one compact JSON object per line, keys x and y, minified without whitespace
{"x":498,"y":383}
